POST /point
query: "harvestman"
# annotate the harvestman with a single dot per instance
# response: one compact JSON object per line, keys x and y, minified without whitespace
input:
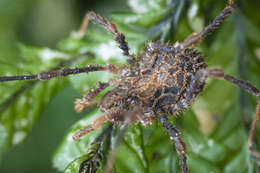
{"x":163,"y":80}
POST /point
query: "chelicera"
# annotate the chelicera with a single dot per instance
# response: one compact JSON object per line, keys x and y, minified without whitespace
{"x":162,"y":81}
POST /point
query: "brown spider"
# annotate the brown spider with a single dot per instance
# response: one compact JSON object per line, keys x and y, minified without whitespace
{"x":164,"y":80}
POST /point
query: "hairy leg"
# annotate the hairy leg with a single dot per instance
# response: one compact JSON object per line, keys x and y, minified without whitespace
{"x":179,"y":144}
{"x":87,"y":100}
{"x":61,"y":73}
{"x":111,"y":28}
{"x":219,"y":74}
{"x":195,"y":38}
{"x":96,"y":124}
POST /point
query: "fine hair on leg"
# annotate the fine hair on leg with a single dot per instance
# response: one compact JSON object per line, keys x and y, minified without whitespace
{"x":111,"y":28}
{"x":96,"y":124}
{"x":53,"y":74}
{"x":87,"y":100}
{"x":195,"y":38}
{"x":175,"y":136}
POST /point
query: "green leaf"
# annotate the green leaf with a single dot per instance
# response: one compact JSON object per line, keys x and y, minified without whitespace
{"x":197,"y":164}
{"x":18,"y":116}
{"x":238,"y":163}
{"x":207,"y":148}
{"x":22,"y":102}
{"x":159,"y":150}
{"x":91,"y":162}
{"x":145,"y":20}
{"x":142,"y":6}
{"x":73,"y":167}
{"x":69,"y":150}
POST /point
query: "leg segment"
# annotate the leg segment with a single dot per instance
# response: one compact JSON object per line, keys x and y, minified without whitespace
{"x":196,"y":38}
{"x":96,"y":124}
{"x":111,"y":28}
{"x":179,"y":144}
{"x":87,"y":100}
{"x":219,"y":74}
{"x":52,"y":74}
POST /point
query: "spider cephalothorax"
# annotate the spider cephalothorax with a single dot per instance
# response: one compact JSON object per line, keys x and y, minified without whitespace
{"x":162,"y":81}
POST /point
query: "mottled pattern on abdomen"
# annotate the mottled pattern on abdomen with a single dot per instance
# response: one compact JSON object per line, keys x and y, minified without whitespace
{"x":165,"y":76}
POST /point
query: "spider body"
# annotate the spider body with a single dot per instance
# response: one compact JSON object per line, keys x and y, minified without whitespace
{"x":159,"y":82}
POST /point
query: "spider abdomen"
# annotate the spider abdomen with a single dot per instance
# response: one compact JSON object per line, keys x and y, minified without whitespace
{"x":165,"y":76}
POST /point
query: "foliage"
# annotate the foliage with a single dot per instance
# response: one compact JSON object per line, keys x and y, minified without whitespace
{"x":214,"y":128}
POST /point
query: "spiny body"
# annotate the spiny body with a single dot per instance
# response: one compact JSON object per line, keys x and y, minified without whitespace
{"x":158,"y":83}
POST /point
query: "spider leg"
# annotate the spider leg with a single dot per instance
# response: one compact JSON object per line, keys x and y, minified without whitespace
{"x":219,"y":74}
{"x":111,"y":28}
{"x":62,"y":73}
{"x":195,"y":38}
{"x":96,"y":124}
{"x":87,"y":100}
{"x":179,"y":144}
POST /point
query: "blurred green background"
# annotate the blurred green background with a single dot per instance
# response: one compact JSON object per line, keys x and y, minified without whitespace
{"x":215,"y":128}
